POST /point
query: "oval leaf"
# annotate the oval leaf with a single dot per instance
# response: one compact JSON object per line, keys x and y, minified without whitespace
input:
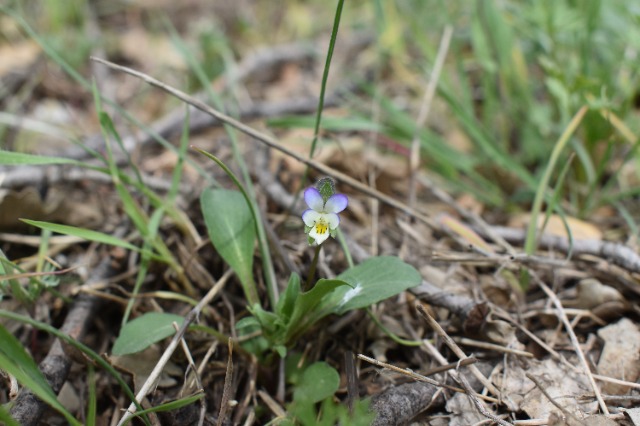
{"x":319,"y":381}
{"x":144,"y":331}
{"x":232,"y":232}
{"x":375,"y":279}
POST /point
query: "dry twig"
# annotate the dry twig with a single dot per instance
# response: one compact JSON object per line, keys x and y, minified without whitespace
{"x":460,"y":378}
{"x":171,"y":347}
{"x":423,"y":114}
{"x":618,"y":254}
{"x":226,"y":393}
{"x":574,"y":340}
{"x":272,"y":142}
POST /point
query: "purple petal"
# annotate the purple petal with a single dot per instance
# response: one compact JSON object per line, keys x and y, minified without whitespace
{"x":310,"y":217}
{"x":313,"y":199}
{"x":336,"y":203}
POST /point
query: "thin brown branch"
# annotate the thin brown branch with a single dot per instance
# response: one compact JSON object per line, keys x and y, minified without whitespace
{"x":272,"y":142}
{"x":552,"y":399}
{"x":421,"y":377}
{"x":460,"y":378}
{"x":423,"y":114}
{"x":226,"y":392}
{"x":616,"y":253}
{"x":574,"y":340}
{"x":455,"y":348}
{"x":171,"y":347}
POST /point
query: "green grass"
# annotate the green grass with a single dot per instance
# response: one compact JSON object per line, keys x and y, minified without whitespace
{"x":543,"y":92}
{"x":516,"y":73}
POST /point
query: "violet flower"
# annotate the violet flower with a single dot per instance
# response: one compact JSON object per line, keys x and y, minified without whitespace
{"x":321,"y":219}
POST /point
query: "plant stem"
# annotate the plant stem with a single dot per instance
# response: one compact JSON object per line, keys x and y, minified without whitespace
{"x":312,"y":269}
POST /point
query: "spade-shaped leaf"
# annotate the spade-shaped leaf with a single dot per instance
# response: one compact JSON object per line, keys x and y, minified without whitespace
{"x":144,"y":331}
{"x":375,"y":279}
{"x":232,"y":231}
{"x":319,"y":381}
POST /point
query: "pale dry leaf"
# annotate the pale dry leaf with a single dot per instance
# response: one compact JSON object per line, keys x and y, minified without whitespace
{"x":14,"y":205}
{"x":164,"y":164}
{"x":463,"y":411}
{"x":580,"y":230}
{"x":56,"y":207}
{"x":592,"y":293}
{"x":499,"y":331}
{"x":559,"y":419}
{"x":290,"y":83}
{"x":634,"y":415}
{"x":459,"y":140}
{"x":564,"y":385}
{"x":17,"y":57}
{"x":470,"y":203}
{"x":465,"y":232}
{"x":69,"y":398}
{"x":599,"y":420}
{"x":141,"y":364}
{"x":620,"y":357}
{"x":151,"y":50}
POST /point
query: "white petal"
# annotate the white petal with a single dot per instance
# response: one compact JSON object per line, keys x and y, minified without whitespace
{"x":336,"y":203}
{"x":313,"y":199}
{"x":310,"y":217}
{"x":332,"y":219}
{"x":320,"y":238}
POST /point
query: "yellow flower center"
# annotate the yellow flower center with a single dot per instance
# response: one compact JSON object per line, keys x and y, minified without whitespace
{"x":322,"y":227}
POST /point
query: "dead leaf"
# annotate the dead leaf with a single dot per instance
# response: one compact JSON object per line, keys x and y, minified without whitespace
{"x":599,"y":420}
{"x":69,"y":398}
{"x":56,"y":207}
{"x":470,"y":203}
{"x":580,"y":230}
{"x":152,"y":50}
{"x":141,"y":364}
{"x":634,"y":415}
{"x":466,"y":233}
{"x":620,"y":357}
{"x":564,"y":385}
{"x":17,"y":57}
{"x":558,"y":419}
{"x":463,"y":412}
{"x":592,"y":293}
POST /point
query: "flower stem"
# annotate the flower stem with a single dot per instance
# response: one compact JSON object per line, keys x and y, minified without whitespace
{"x":312,"y":269}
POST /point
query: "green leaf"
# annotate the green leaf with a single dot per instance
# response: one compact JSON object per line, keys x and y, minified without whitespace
{"x":6,"y":417}
{"x":232,"y":231}
{"x":270,"y":323}
{"x":144,"y":331}
{"x":328,"y":123}
{"x":9,"y":158}
{"x":287,"y":300}
{"x":15,"y":361}
{"x":308,"y":309}
{"x":256,"y":345}
{"x":172,"y":405}
{"x":375,"y":279}
{"x":319,"y":381}
{"x":87,"y":234}
{"x":326,"y":187}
